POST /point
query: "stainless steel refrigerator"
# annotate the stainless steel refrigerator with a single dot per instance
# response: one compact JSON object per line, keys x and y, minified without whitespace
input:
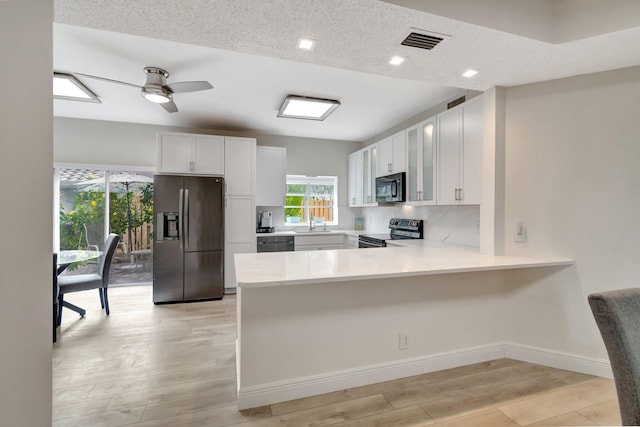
{"x":188,"y":248}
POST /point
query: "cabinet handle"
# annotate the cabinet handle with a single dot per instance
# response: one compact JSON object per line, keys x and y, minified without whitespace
{"x":389,"y":168}
{"x":456,"y":194}
{"x":192,"y":166}
{"x":460,"y":194}
{"x":419,"y":195}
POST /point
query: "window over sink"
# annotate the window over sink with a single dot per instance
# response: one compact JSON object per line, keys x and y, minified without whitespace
{"x":311,"y":197}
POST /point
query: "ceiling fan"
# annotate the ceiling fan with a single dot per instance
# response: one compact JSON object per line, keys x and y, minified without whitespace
{"x":156,"y":88}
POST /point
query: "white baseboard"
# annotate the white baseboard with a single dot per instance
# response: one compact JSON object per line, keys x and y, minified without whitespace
{"x":558,"y":359}
{"x":251,"y":397}
{"x":264,"y":394}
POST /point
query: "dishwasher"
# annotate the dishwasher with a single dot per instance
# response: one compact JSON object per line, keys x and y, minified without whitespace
{"x":275,"y":243}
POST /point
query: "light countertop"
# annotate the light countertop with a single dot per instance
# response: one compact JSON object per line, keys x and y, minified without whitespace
{"x":308,"y":267}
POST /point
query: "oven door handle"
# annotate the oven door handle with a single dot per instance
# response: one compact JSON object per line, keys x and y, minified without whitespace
{"x":394,"y":188}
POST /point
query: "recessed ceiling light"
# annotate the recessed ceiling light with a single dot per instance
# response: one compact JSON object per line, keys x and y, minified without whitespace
{"x":306,"y":44}
{"x":396,"y":60}
{"x":66,"y":86}
{"x":470,"y":73}
{"x":303,"y":107}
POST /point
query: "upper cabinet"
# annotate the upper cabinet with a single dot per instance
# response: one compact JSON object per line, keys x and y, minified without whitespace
{"x":355,"y":179}
{"x":421,"y":163}
{"x":271,"y":176}
{"x":442,"y":158}
{"x":362,"y":177}
{"x":369,"y":173}
{"x":391,"y":154}
{"x":191,"y":153}
{"x":240,"y":165}
{"x":459,"y":167}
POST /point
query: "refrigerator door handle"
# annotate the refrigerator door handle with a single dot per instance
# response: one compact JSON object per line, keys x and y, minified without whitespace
{"x":181,"y":218}
{"x":186,"y":219}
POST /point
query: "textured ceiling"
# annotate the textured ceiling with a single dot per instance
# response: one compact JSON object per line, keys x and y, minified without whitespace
{"x":246,"y":49}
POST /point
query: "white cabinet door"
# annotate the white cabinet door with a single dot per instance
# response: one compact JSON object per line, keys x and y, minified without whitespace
{"x":175,"y":153}
{"x":472,"y":141}
{"x":355,"y":179}
{"x":369,"y":168}
{"x":319,"y":242}
{"x":399,"y":147}
{"x":188,"y":153}
{"x":421,"y":175}
{"x":208,"y":154}
{"x":392,"y":154}
{"x":459,"y":166}
{"x":240,"y":166}
{"x":385,"y":157}
{"x":271,"y":176}
{"x":428,"y":166}
{"x":240,"y":236}
{"x":449,"y":157}
{"x":413,"y":181}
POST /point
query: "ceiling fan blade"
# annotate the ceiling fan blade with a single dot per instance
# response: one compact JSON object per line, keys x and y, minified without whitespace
{"x":107,"y":80}
{"x":170,"y":106}
{"x":181,"y":87}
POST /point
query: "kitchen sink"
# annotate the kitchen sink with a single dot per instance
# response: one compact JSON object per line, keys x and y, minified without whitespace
{"x":313,"y":231}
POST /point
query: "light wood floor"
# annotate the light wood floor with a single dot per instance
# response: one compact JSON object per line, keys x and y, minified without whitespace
{"x":174,"y":365}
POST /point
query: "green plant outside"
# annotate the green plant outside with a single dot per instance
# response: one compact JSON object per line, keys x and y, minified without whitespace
{"x":89,"y":209}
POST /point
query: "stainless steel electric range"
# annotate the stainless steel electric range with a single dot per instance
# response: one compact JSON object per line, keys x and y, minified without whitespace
{"x":399,"y":228}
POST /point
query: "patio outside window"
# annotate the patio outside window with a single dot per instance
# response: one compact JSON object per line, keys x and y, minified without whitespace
{"x":84,"y":208}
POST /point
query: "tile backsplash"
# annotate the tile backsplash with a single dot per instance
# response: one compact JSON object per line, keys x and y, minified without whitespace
{"x":459,"y":225}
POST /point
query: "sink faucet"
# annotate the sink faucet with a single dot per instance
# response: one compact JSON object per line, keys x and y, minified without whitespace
{"x":311,"y":224}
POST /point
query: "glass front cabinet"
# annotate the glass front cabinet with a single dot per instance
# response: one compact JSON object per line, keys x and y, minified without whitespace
{"x":421,"y":165}
{"x":369,"y":163}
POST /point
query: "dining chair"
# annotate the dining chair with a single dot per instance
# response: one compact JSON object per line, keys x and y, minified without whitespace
{"x":617,"y":315}
{"x":56,"y":290}
{"x":84,"y":282}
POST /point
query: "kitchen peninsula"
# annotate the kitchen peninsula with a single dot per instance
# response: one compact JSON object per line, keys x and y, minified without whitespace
{"x":319,"y":321}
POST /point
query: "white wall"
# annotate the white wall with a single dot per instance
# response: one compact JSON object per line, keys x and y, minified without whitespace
{"x":26,"y":195}
{"x":572,"y":177}
{"x":313,"y":157}
{"x":78,"y":141}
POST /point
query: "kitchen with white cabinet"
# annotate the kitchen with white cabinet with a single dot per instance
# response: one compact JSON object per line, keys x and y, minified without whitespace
{"x":524,"y":155}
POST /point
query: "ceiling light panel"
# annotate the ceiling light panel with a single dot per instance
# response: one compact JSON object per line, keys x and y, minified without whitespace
{"x":66,"y":86}
{"x":306,"y":44}
{"x":302,"y":107}
{"x":396,"y":60}
{"x":469,"y":73}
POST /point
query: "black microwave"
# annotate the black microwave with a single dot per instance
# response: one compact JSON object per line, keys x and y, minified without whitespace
{"x":390,"y":188}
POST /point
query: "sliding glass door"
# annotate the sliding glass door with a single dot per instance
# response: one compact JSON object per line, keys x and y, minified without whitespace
{"x":93,"y":203}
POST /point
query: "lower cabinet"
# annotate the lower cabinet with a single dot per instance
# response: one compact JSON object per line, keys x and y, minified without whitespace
{"x":240,"y":234}
{"x":319,"y":242}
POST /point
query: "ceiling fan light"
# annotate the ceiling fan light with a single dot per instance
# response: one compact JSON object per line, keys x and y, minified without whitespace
{"x":158,"y":98}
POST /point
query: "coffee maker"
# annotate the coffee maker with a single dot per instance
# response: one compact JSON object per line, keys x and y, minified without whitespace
{"x":264,"y":223}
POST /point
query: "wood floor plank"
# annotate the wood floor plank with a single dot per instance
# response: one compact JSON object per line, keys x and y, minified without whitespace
{"x":412,"y":416}
{"x":570,"y":398}
{"x":603,"y":414}
{"x":488,"y":418}
{"x":493,"y":397}
{"x":174,"y":365}
{"x":568,"y":419}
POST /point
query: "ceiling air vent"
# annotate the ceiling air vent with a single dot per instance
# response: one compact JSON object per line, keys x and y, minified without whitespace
{"x":421,"y":40}
{"x":456,"y":101}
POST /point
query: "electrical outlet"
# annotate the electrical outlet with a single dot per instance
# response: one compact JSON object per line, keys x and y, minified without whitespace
{"x":520,"y":233}
{"x":403,"y":341}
